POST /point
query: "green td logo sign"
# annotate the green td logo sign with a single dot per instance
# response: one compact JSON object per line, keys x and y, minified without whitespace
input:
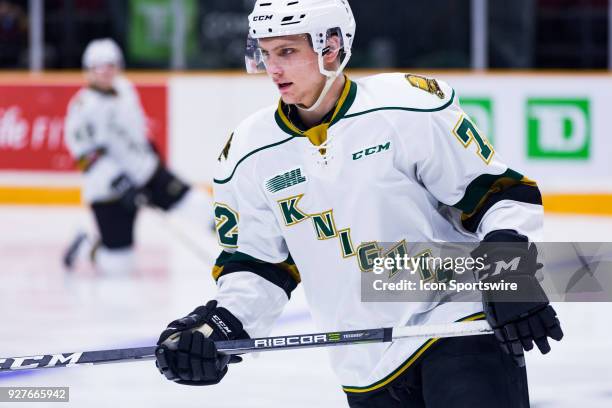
{"x":558,"y":129}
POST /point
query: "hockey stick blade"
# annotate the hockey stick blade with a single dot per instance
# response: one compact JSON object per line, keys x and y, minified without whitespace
{"x":253,"y":345}
{"x":77,"y":358}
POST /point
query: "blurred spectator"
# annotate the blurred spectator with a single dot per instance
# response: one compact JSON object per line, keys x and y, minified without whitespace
{"x":391,"y":34}
{"x":13,"y":34}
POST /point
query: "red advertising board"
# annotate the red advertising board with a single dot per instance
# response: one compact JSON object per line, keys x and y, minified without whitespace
{"x":32,"y":124}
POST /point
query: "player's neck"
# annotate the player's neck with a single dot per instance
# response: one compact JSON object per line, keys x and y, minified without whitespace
{"x":313,"y":118}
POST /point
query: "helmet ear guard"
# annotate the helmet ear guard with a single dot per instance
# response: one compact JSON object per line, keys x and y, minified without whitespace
{"x":343,"y":53}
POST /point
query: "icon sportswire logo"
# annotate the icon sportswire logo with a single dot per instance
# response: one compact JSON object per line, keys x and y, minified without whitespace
{"x":285,"y":180}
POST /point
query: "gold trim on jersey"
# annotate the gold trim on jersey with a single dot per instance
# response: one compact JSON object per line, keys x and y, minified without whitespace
{"x":344,"y":237}
{"x":288,"y":266}
{"x":224,"y":219}
{"x":291,"y":269}
{"x":217,"y":271}
{"x":407,"y":364}
{"x":324,"y":225}
{"x":292,"y":210}
{"x":500,"y":184}
{"x":318,"y":134}
{"x":474,"y":134}
{"x":370,"y":248}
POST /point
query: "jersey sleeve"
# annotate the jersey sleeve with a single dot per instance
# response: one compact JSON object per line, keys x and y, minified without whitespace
{"x":255,"y":273}
{"x":461,"y":168}
{"x":80,"y":130}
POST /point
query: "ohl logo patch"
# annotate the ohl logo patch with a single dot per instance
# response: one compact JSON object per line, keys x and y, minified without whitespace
{"x":285,"y":180}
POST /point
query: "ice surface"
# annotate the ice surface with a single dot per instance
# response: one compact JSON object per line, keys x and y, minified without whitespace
{"x":45,"y":310}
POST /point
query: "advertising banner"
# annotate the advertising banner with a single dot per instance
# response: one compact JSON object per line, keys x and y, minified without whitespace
{"x":32,"y":124}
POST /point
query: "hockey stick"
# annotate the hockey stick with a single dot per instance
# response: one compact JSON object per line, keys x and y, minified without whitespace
{"x":184,"y":238}
{"x":254,"y":345}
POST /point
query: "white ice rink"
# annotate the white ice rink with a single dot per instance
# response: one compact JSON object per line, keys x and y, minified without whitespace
{"x":44,"y":310}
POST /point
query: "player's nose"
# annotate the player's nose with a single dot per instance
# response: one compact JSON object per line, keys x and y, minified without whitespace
{"x":273,"y":68}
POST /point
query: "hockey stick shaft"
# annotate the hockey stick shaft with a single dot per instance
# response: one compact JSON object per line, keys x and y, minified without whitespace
{"x":183,"y":238}
{"x":253,"y":345}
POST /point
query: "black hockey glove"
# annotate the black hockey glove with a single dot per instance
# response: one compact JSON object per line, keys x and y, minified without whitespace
{"x":520,"y":317}
{"x":195,"y":360}
{"x":130,"y":196}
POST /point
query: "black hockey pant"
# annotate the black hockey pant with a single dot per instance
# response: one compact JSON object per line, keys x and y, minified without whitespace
{"x":458,"y":372}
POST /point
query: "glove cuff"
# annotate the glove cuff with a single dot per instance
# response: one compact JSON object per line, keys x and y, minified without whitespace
{"x":224,"y":325}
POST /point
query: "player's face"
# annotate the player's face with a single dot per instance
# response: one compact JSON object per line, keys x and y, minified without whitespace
{"x":293,"y":66}
{"x":102,"y":76}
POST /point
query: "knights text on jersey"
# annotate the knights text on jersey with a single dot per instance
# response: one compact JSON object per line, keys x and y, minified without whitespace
{"x":398,"y":161}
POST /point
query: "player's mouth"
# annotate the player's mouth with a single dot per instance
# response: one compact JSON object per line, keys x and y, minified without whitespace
{"x":283,"y":87}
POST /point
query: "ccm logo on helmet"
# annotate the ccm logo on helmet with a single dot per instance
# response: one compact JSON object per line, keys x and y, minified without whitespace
{"x":262,"y":18}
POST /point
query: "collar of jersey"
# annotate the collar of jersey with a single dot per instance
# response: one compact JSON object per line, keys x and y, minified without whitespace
{"x":318,"y":134}
{"x":105,"y":92}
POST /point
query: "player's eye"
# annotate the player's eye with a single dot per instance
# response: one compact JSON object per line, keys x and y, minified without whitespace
{"x":287,"y":51}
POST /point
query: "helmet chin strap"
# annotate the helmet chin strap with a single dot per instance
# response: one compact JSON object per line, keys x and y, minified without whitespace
{"x":328,"y":84}
{"x":331,"y":77}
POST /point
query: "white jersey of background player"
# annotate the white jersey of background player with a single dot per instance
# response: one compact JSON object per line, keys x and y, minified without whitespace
{"x":109,"y":119}
{"x":305,"y":190}
{"x":106,"y":132}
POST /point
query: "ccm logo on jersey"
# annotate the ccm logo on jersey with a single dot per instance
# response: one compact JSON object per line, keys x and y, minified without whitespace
{"x":52,"y":360}
{"x":371,"y":150}
{"x":290,"y":341}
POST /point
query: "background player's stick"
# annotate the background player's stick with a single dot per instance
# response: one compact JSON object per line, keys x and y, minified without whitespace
{"x":184,"y":238}
{"x":254,"y":345}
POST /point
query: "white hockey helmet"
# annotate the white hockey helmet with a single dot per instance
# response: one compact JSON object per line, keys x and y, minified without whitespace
{"x":319,"y":19}
{"x":102,"y":52}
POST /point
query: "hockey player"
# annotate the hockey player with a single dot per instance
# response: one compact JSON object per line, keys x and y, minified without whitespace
{"x":106,"y":133}
{"x":302,"y":189}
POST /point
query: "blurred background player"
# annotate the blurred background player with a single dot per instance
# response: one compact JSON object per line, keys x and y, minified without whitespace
{"x":106,"y":133}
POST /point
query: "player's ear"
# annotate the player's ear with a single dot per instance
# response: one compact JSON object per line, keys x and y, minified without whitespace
{"x":332,"y":55}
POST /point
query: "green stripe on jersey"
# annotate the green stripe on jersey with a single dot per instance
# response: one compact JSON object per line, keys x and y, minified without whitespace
{"x":480,"y":187}
{"x":225,"y":180}
{"x":400,"y":108}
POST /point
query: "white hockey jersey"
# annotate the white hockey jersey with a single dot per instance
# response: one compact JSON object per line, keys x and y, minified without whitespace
{"x":398,"y":160}
{"x":107,"y":132}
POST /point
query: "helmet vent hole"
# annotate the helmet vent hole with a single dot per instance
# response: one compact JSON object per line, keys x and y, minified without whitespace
{"x":265,"y":4}
{"x":291,"y":3}
{"x":288,"y":20}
